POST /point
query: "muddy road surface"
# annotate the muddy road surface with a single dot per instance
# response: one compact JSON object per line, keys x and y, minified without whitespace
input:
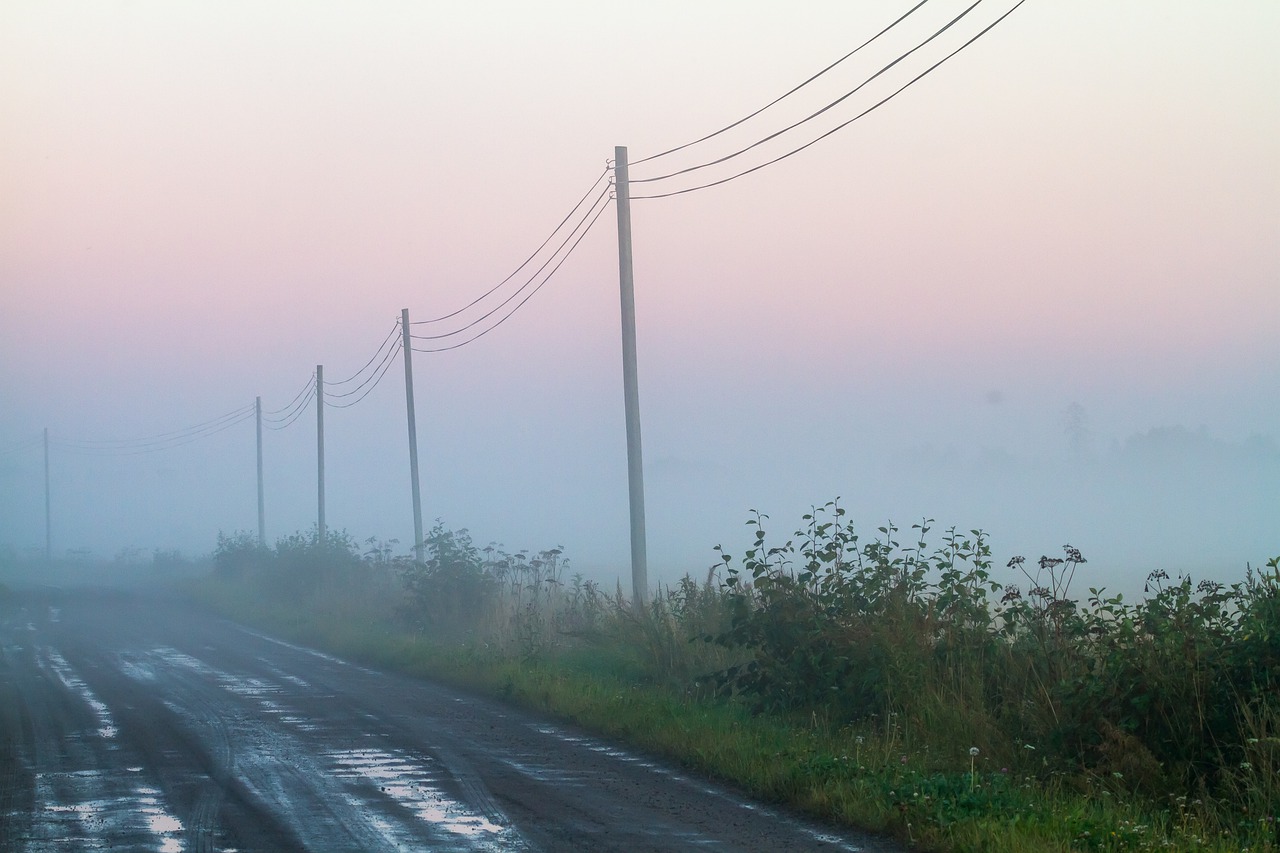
{"x":128,"y":724}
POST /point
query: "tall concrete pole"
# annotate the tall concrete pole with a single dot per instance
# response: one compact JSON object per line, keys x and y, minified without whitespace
{"x":48,"y":513}
{"x":262,"y":503}
{"x":320,"y":451}
{"x":630,"y":382}
{"x":406,"y":345}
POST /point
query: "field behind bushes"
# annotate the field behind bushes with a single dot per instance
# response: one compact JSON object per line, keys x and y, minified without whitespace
{"x":913,"y":689}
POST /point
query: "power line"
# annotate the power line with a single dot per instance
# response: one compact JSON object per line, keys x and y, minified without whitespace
{"x":310,"y":386}
{"x":580,"y":235}
{"x":160,"y":439}
{"x":134,"y":447}
{"x":379,"y":372}
{"x":783,"y":97}
{"x":814,"y":115}
{"x":394,"y":340}
{"x":375,"y":377}
{"x":288,"y":420}
{"x":603,"y":193}
{"x":843,"y":125}
{"x":547,"y":278}
{"x":394,"y":331}
{"x":525,"y":262}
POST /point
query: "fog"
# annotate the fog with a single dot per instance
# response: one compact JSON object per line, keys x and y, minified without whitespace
{"x":1035,"y":294}
{"x":527,"y":469}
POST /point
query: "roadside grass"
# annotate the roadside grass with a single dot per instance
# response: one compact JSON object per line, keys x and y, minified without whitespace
{"x":861,"y":683}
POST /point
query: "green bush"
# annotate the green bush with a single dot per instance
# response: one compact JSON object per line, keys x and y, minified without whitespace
{"x":1169,"y":697}
{"x":448,"y":591}
{"x":850,"y":627}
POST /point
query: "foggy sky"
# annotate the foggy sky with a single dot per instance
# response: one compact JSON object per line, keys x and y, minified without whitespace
{"x":199,"y":203}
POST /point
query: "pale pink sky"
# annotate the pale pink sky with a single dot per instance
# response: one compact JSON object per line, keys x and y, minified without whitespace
{"x":199,"y":202}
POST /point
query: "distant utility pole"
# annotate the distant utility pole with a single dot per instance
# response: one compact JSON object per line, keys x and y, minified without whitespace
{"x":407,"y":346}
{"x":262,"y":504}
{"x":630,"y":381}
{"x":48,"y":514}
{"x":320,"y":451}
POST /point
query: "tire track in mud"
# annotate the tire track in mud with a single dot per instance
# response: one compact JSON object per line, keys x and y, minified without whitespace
{"x":398,"y":796}
{"x":17,"y":750}
{"x":86,"y":789}
{"x":275,"y":763}
{"x":436,"y":781}
{"x":209,"y":741}
{"x":188,"y":748}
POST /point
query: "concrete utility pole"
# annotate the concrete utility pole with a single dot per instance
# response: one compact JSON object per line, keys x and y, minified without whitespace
{"x":407,"y":346}
{"x":48,"y":514}
{"x":262,"y":504}
{"x":630,"y":382}
{"x":320,"y":451}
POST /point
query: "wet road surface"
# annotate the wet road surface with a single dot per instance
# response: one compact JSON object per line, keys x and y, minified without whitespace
{"x":131,"y":725}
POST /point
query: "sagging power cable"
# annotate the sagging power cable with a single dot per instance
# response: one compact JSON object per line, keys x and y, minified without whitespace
{"x":164,"y":441}
{"x":581,"y":234}
{"x":782,"y":97}
{"x":523,"y":263}
{"x":842,"y":125}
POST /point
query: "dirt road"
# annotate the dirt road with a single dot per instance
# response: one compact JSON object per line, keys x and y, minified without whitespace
{"x":131,"y":725}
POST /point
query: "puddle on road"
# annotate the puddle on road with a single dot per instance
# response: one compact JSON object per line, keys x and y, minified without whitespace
{"x":88,"y":816}
{"x":163,"y":825}
{"x":414,"y":787}
{"x":137,"y":671}
{"x":260,"y":691}
{"x":541,"y":773}
{"x":58,"y":664}
{"x":182,"y":659}
{"x":306,"y":651}
{"x":81,"y":809}
{"x":303,"y":649}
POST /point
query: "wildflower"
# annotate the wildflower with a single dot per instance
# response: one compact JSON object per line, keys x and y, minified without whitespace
{"x":973,"y":752}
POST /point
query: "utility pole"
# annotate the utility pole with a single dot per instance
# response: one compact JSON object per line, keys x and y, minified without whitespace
{"x":630,"y":381}
{"x":48,"y":514}
{"x":320,"y":451}
{"x":262,"y":504}
{"x":407,"y":346}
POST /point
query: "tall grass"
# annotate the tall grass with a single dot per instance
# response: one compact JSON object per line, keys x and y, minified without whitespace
{"x":902,"y":688}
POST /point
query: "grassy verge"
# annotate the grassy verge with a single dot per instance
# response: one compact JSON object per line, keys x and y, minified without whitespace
{"x":930,"y":765}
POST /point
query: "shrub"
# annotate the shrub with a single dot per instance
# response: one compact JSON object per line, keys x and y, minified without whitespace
{"x":448,"y":591}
